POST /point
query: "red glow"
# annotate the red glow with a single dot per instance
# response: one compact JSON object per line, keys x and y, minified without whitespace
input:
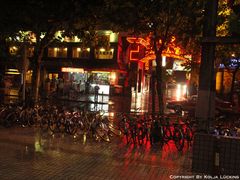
{"x":132,"y":52}
{"x":171,"y":51}
{"x":141,"y":41}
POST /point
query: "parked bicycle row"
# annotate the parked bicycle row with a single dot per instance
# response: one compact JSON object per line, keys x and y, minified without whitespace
{"x":158,"y":129}
{"x":135,"y":129}
{"x":58,"y":120}
{"x":140,"y":129}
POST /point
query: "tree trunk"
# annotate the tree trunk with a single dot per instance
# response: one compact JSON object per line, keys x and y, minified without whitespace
{"x":153,"y":91}
{"x":159,"y":72}
{"x":160,"y":87}
{"x":37,"y":74}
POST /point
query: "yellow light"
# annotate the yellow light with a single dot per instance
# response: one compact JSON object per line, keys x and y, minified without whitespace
{"x":88,"y":49}
{"x":102,"y":49}
{"x":78,"y":49}
{"x":100,"y":72}
{"x":15,"y":70}
{"x":69,"y":69}
{"x":12,"y":73}
{"x":112,"y":50}
{"x":178,"y":92}
{"x":111,"y":114}
{"x":113,"y":76}
{"x":76,"y":39}
{"x":163,"y":61}
{"x":65,"y":49}
{"x":113,"y":37}
{"x":55,"y":49}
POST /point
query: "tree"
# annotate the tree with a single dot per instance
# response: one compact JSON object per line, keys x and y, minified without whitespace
{"x":44,"y":19}
{"x":164,"y":20}
{"x":228,"y":25}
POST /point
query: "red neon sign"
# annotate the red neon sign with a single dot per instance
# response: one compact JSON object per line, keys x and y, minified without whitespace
{"x":134,"y":54}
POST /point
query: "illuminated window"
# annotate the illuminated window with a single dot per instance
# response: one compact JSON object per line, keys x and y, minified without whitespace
{"x":29,"y":76}
{"x":13,"y":50}
{"x":57,"y":52}
{"x":81,"y":52}
{"x":103,"y":53}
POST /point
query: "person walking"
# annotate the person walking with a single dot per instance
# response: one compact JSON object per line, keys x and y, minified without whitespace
{"x":96,"y":89}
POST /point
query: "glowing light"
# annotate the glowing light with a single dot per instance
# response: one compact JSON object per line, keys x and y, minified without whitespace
{"x":111,"y":114}
{"x":184,"y":89}
{"x":84,"y":138}
{"x":88,"y":49}
{"x":69,"y":69}
{"x":163,"y":61}
{"x":76,"y":39}
{"x":12,"y":72}
{"x":65,"y":49}
{"x":113,"y":76}
{"x":133,"y":52}
{"x":100,"y":72}
{"x":178,"y":92}
{"x":181,"y":91}
{"x":173,"y":38}
{"x":101,"y":49}
{"x":141,"y":41}
{"x":78,"y":49}
{"x":113,"y":37}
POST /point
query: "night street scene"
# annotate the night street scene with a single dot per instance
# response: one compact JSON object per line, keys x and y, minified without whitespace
{"x":120,"y":90}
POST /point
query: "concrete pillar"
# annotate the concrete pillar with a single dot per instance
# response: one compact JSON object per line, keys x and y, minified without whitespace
{"x":205,"y":110}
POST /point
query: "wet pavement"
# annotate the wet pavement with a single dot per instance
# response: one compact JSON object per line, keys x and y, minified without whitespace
{"x":28,"y":153}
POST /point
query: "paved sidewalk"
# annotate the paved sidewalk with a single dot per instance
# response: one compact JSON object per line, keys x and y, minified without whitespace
{"x":26,"y":153}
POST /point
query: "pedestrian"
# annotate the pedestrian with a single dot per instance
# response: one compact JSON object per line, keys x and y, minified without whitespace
{"x":96,"y":89}
{"x":193,"y":89}
{"x":87,"y":87}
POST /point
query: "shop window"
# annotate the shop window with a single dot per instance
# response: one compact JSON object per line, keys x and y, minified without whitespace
{"x":57,"y":52}
{"x":81,"y":52}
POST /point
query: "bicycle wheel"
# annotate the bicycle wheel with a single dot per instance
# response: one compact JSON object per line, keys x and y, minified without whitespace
{"x":9,"y":120}
{"x":44,"y":123}
{"x":188,"y":135}
{"x":71,"y":126}
{"x":178,"y":139}
{"x":33,"y":119}
{"x":24,"y":118}
{"x":167,"y":133}
{"x":127,"y":135}
{"x":52,"y":124}
{"x":102,"y":133}
{"x":115,"y":130}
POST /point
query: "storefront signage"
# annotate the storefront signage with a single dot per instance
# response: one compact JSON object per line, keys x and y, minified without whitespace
{"x":69,"y":69}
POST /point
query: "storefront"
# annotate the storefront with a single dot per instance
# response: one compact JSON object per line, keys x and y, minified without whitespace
{"x":82,"y":81}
